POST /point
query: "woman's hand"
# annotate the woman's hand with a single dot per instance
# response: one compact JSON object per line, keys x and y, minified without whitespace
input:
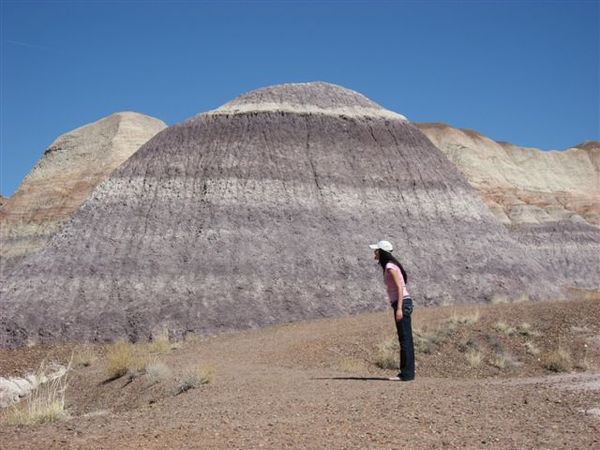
{"x":399,"y":314}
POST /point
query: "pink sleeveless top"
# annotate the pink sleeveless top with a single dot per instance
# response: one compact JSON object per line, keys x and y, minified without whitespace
{"x":390,"y":284}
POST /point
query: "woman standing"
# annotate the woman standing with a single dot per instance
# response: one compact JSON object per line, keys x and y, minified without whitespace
{"x":395,"y":280}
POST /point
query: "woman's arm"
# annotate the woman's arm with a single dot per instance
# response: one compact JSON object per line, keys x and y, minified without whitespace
{"x":400,"y":285}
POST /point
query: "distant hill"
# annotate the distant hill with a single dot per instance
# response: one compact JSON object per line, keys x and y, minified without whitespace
{"x":73,"y":165}
{"x":261,"y":212}
{"x":525,"y":185}
{"x":549,"y":200}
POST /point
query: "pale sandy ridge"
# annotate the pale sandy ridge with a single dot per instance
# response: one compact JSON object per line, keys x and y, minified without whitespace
{"x":72,"y":166}
{"x":308,"y":98}
{"x":524,"y":185}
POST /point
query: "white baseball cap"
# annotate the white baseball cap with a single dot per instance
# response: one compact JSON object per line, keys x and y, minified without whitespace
{"x":383,"y":245}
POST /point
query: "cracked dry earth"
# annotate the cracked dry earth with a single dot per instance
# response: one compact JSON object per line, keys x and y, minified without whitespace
{"x":292,"y":386}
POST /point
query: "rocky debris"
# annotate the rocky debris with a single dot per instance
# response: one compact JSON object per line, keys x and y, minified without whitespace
{"x":3,"y":200}
{"x":68,"y":171}
{"x":13,"y":389}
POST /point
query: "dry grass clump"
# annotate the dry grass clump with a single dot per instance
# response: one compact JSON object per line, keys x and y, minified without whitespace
{"x":504,"y":360}
{"x":388,"y":354}
{"x":532,"y":349}
{"x":157,"y":371}
{"x":349,"y":364}
{"x":124,"y":357}
{"x":160,"y":344}
{"x":45,"y":404}
{"x":195,"y":377}
{"x":465,"y":319}
{"x":424,"y":341}
{"x":504,"y":328}
{"x":499,"y":300}
{"x":558,"y":360}
{"x":525,"y":329}
{"x":121,"y":358}
{"x":585,"y":363}
{"x":474,"y":358}
{"x":84,"y":356}
{"x":193,"y":338}
{"x":524,"y":298}
{"x":499,"y":361}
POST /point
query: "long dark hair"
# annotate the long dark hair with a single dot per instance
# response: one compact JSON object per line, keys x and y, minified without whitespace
{"x":386,"y":257}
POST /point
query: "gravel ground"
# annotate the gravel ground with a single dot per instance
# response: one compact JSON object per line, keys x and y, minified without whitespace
{"x":292,"y":386}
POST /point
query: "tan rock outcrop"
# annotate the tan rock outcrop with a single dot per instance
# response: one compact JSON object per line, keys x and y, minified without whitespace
{"x":525,"y":185}
{"x":549,"y":201}
{"x":63,"y":178}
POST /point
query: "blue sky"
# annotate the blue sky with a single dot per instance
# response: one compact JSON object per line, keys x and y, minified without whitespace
{"x":526,"y":72}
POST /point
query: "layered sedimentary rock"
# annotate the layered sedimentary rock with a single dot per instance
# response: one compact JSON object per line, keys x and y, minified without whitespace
{"x":261,"y":212}
{"x":525,"y":185}
{"x":63,"y":178}
{"x":549,"y":200}
{"x":2,"y":200}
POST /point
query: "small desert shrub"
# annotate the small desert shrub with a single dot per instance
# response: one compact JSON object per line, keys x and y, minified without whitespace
{"x":504,"y":360}
{"x":558,"y":361}
{"x":84,"y":356}
{"x":195,"y":377}
{"x":500,"y":361}
{"x":426,"y":341}
{"x":349,"y":365}
{"x":193,"y":338}
{"x":465,"y":319}
{"x":45,"y":404}
{"x":387,"y":354}
{"x":526,"y":329}
{"x":474,"y":358}
{"x":585,"y":363}
{"x":121,"y":358}
{"x":532,"y":349}
{"x":499,"y":300}
{"x":524,"y":298}
{"x":157,"y":371}
{"x":160,"y":344}
{"x":504,"y":328}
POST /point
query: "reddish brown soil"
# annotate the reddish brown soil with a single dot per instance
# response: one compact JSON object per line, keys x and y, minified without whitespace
{"x":314,"y":385}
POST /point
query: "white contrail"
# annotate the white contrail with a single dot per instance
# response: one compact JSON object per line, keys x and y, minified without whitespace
{"x":25,"y":44}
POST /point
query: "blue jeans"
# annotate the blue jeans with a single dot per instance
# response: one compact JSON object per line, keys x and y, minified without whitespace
{"x":405,"y":338}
